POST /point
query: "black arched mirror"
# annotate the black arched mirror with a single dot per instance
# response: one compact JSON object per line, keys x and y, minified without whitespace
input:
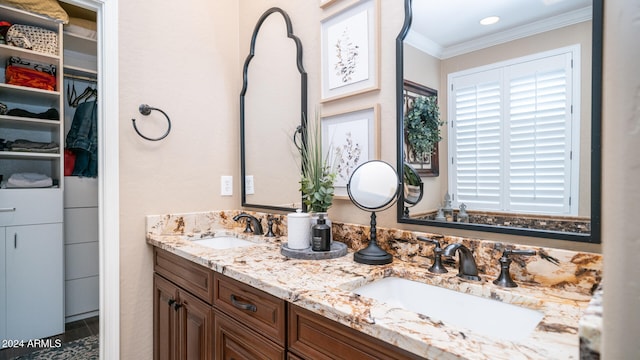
{"x":269,"y":120}
{"x":520,"y":101}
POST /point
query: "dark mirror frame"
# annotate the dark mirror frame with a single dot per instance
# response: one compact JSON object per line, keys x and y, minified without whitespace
{"x":303,"y":100}
{"x":596,"y":131}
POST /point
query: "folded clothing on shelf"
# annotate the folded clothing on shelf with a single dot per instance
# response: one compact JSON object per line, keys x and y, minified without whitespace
{"x":23,"y":145}
{"x":29,"y":73}
{"x":51,"y":114}
{"x":28,"y":180}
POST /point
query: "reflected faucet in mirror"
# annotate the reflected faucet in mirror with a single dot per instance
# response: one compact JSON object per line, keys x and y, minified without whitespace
{"x":518,"y":168}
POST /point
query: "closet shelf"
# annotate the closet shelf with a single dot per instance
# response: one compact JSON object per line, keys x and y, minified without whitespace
{"x":27,"y":155}
{"x":80,"y":71}
{"x":27,"y":95}
{"x":7,"y":51}
{"x":80,"y":44}
{"x":25,"y":123}
{"x":17,"y":16}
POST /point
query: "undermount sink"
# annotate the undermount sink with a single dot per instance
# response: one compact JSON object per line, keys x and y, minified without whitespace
{"x":483,"y":316}
{"x":224,"y":242}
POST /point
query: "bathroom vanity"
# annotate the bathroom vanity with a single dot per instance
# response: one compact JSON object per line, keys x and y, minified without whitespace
{"x":253,"y":302}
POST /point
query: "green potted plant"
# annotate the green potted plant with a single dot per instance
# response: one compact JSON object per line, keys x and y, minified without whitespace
{"x":318,"y":172}
{"x":422,"y":127}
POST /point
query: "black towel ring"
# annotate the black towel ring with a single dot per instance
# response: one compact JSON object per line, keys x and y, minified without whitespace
{"x":146,"y":110}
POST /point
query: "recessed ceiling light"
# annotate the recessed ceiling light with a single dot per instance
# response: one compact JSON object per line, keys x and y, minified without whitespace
{"x":490,"y":20}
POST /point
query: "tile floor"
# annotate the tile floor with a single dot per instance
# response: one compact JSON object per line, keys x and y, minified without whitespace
{"x":73,"y":331}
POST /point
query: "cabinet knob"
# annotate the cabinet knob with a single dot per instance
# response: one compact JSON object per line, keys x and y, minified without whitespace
{"x":176,"y":305}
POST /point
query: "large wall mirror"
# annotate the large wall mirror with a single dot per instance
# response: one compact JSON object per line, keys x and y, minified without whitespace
{"x":520,"y":105}
{"x":273,"y":109}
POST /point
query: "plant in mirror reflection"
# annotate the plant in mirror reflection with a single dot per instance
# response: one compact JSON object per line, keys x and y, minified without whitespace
{"x":318,"y":172}
{"x":422,"y":127}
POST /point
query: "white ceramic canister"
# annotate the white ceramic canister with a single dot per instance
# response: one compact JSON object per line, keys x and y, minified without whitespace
{"x":298,"y":230}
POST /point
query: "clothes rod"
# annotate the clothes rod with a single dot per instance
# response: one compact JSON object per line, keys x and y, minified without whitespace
{"x":78,"y":77}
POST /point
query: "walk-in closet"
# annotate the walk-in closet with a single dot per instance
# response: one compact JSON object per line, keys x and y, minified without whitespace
{"x":49,"y":274}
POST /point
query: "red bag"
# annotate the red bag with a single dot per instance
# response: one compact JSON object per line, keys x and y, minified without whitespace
{"x":29,"y":77}
{"x":69,"y":162}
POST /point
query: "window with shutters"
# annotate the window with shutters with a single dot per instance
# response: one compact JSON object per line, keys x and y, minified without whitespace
{"x":514,"y":134}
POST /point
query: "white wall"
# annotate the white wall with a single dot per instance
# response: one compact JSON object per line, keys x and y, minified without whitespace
{"x":621,"y":171}
{"x":182,"y":57}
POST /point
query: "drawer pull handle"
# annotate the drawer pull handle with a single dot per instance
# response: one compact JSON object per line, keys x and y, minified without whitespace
{"x":7,"y":209}
{"x":243,"y":306}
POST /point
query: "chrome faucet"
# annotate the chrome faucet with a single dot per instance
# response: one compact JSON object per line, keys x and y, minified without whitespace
{"x":252,"y":221}
{"x":467,"y":268}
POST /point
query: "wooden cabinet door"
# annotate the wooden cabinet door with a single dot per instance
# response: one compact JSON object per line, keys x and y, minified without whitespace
{"x":237,"y":342}
{"x":164,"y":319}
{"x":195,"y":323}
{"x":181,"y":324}
{"x":34,"y":281}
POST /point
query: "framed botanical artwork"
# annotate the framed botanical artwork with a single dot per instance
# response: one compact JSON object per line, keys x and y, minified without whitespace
{"x":350,"y":51}
{"x":349,"y":139}
{"x":425,"y":166}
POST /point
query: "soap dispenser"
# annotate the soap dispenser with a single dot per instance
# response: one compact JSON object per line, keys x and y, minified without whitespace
{"x":321,"y":235}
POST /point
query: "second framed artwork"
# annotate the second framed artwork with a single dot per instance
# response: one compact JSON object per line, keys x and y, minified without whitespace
{"x":349,"y":139}
{"x":350,"y":51}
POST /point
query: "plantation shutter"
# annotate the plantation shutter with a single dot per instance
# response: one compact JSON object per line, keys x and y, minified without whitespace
{"x":539,"y":135}
{"x":477,"y":161}
{"x":510,"y":136}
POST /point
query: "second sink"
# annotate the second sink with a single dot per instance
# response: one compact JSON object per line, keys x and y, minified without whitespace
{"x":224,"y":242}
{"x":485,"y":316}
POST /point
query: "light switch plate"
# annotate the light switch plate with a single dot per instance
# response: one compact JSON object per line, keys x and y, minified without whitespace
{"x":248,"y":185}
{"x":226,"y":185}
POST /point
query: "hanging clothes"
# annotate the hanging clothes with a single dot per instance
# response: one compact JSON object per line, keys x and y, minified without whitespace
{"x":82,"y":139}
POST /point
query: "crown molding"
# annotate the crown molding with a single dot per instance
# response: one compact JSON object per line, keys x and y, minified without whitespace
{"x":430,"y":47}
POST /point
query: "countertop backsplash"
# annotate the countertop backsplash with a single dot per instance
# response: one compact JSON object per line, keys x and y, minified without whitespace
{"x":576,"y":276}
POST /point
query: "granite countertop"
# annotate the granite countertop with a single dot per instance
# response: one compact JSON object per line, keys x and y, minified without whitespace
{"x":324,"y":287}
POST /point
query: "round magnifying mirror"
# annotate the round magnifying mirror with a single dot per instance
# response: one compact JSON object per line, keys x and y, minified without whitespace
{"x":373,"y":185}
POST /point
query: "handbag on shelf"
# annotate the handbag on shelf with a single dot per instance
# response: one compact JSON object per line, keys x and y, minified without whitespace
{"x":33,"y":38}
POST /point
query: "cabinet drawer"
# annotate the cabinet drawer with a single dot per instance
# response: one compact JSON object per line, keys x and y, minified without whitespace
{"x":192,"y":277}
{"x":258,"y":310}
{"x":30,"y":206}
{"x":80,"y":192}
{"x":236,"y":341}
{"x":81,"y":260}
{"x":312,"y":336}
